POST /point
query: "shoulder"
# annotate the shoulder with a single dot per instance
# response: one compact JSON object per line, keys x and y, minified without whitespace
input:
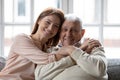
{"x":22,"y":36}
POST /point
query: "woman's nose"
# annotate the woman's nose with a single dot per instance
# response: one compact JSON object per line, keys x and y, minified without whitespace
{"x":50,"y":27}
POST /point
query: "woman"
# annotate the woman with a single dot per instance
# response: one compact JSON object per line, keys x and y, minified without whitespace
{"x":29,"y":50}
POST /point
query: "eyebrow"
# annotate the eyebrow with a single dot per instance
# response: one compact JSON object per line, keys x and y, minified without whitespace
{"x":55,"y":23}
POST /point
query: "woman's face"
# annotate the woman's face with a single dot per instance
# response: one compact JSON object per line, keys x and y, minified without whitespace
{"x":48,"y":26}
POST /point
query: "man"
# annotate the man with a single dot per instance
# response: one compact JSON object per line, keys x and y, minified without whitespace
{"x":84,"y":61}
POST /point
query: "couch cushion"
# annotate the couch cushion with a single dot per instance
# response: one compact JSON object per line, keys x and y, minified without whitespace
{"x":2,"y":63}
{"x":113,"y":69}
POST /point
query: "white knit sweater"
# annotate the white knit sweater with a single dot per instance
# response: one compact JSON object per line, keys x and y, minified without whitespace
{"x":88,"y":67}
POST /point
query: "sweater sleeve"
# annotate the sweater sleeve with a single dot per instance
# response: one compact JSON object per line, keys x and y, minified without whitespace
{"x":94,"y":64}
{"x":49,"y":71}
{"x":24,"y":46}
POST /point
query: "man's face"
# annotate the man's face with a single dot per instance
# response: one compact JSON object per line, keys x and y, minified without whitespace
{"x":71,"y":33}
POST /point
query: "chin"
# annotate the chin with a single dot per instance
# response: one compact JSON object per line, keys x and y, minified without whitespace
{"x":67,"y":44}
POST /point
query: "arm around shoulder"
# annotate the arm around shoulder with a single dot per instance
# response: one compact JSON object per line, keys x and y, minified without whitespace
{"x":24,"y":46}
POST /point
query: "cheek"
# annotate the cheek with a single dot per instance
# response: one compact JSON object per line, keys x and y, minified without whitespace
{"x":39,"y":29}
{"x":61,"y":35}
{"x":56,"y":31}
{"x":78,"y":37}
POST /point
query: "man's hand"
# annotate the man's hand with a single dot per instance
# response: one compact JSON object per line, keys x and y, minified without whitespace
{"x":66,"y":50}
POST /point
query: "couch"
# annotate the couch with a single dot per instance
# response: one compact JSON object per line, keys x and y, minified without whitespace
{"x":2,"y":62}
{"x":113,"y":68}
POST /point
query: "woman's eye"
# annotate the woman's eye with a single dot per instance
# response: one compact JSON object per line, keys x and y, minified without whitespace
{"x":47,"y":22}
{"x":57,"y":26}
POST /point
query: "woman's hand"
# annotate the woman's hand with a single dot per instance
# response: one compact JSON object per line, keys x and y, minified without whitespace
{"x":64,"y":51}
{"x":85,"y":43}
{"x":92,"y":43}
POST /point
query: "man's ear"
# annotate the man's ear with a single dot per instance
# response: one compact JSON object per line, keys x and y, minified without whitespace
{"x":83,"y":32}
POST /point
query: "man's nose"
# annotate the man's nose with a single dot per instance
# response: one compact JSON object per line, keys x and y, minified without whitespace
{"x":68,"y":33}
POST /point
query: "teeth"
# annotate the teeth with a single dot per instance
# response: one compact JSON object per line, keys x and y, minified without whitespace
{"x":68,"y":39}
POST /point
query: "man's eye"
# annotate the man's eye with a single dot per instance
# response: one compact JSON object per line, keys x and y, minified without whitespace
{"x":74,"y":30}
{"x":64,"y":30}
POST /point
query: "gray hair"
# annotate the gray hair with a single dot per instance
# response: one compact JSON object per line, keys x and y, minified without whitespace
{"x":73,"y":17}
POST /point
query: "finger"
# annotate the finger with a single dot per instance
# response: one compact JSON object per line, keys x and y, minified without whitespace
{"x":86,"y":39}
{"x":88,"y":50}
{"x":95,"y":42}
{"x":93,"y":46}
